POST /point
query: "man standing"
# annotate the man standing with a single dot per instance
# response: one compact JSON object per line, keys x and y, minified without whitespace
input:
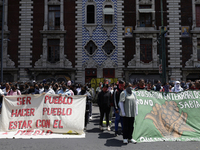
{"x":116,"y":96}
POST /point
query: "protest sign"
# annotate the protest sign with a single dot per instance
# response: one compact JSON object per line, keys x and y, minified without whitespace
{"x":167,"y":116}
{"x":42,"y":115}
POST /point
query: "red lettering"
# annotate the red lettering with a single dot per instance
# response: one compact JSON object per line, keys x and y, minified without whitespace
{"x":14,"y":112}
{"x":55,"y":124}
{"x":28,"y":101}
{"x":29,"y":132}
{"x":64,"y":102}
{"x":55,"y":100}
{"x":60,"y":101}
{"x":29,"y":124}
{"x":49,"y":132}
{"x":32,"y":111}
{"x":44,"y":110}
{"x":69,"y":100}
{"x":18,"y":132}
{"x":59,"y":111}
{"x":69,"y":111}
{"x":19,"y":101}
{"x":20,"y":122}
{"x":54,"y":111}
{"x":15,"y":125}
{"x":42,"y":132}
{"x":46,"y":98}
{"x":63,"y":112}
{"x":37,"y":132}
{"x":24,"y":125}
{"x":37,"y":123}
{"x":48,"y":113}
{"x":60,"y":126}
{"x":10,"y":125}
{"x":23,"y":100}
{"x":50,"y":102}
{"x":27,"y":112}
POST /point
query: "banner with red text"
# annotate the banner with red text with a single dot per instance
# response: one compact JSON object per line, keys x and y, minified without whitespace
{"x":42,"y":115}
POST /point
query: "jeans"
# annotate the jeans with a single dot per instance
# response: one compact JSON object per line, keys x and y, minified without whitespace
{"x":118,"y":119}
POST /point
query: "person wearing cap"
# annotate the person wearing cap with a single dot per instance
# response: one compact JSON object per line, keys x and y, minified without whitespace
{"x":177,"y":87}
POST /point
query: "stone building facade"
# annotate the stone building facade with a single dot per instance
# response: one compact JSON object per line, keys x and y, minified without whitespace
{"x":84,"y":39}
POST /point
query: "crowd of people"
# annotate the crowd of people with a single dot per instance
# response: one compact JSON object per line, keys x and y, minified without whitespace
{"x":117,"y":99}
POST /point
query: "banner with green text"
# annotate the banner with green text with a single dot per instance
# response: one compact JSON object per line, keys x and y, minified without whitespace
{"x":167,"y":116}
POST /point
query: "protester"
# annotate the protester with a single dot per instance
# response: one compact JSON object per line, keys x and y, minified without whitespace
{"x":33,"y":90}
{"x":64,"y":91}
{"x":158,"y":86}
{"x":165,"y":87}
{"x":177,"y":87}
{"x":87,"y":94}
{"x":116,"y":96}
{"x":6,"y":89}
{"x":129,"y":110}
{"x":141,"y":85}
{"x":104,"y":100}
{"x":47,"y":89}
{"x":14,"y":90}
{"x":1,"y":98}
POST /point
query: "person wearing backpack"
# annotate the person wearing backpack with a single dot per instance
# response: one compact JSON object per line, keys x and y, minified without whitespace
{"x":129,"y":110}
{"x":14,"y":90}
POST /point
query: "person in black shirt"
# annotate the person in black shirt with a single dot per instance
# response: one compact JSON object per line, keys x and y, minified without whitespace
{"x":116,"y":96}
{"x":104,"y":100}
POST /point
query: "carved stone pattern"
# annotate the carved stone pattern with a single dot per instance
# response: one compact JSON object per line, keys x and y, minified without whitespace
{"x":108,"y":64}
{"x":91,"y":63}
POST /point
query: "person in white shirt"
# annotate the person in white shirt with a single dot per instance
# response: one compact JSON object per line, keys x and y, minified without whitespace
{"x":64,"y":91}
{"x":177,"y":87}
{"x":47,"y":89}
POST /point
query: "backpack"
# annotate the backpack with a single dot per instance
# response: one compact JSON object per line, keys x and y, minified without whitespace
{"x":17,"y":92}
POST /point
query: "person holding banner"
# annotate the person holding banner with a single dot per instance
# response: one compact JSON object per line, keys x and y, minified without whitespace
{"x":104,"y":101}
{"x":14,"y":90}
{"x":88,"y":99}
{"x":129,"y":110}
{"x":64,"y":91}
{"x":47,"y":89}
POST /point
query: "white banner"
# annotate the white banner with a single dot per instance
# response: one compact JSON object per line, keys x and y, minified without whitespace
{"x":42,"y":116}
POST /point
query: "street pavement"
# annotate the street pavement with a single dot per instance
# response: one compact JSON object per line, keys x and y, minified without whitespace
{"x":94,"y":140}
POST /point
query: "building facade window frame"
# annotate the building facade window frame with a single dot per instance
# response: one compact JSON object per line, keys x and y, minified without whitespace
{"x":136,"y":61}
{"x":53,"y":54}
{"x":194,"y":61}
{"x":91,"y":45}
{"x":145,"y":9}
{"x":90,"y":26}
{"x":47,"y":4}
{"x":54,"y":17}
{"x":108,"y":16}
{"x":146,"y":50}
{"x":53,"y":34}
